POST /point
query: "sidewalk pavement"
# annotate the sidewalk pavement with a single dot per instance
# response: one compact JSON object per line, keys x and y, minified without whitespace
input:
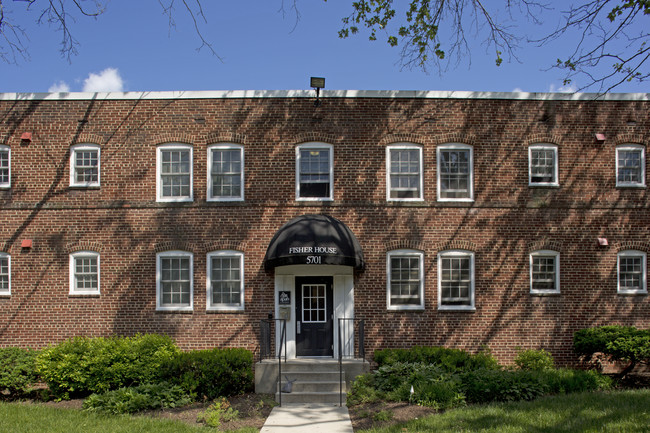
{"x":312,"y":417}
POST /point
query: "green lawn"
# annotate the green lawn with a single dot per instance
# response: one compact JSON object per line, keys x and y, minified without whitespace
{"x":616,"y":411}
{"x":30,"y":418}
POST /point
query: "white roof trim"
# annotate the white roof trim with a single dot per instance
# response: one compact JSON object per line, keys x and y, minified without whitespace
{"x":265,"y":94}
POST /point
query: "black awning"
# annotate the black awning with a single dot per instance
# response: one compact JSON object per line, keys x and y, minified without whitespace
{"x":314,"y":239}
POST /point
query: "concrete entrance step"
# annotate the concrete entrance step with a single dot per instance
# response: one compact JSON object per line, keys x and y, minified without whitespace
{"x":310,"y":397}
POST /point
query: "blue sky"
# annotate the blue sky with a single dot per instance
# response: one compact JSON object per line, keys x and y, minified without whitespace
{"x":131,"y":48}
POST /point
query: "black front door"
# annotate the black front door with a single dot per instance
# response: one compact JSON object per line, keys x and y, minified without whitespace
{"x":314,"y":316}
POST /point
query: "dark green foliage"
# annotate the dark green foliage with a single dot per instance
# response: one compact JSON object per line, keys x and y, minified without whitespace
{"x":534,"y":360}
{"x":451,"y":360}
{"x":82,"y":365}
{"x":363,"y":390}
{"x":592,"y":340}
{"x":138,"y":399}
{"x":17,"y":370}
{"x":211,"y":373}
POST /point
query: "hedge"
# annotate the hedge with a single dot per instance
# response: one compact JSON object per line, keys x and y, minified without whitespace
{"x":17,"y":370}
{"x":451,"y":360}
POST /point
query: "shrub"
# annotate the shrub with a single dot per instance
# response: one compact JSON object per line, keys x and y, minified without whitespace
{"x":17,"y":370}
{"x":217,"y":412}
{"x":363,"y":390}
{"x":445,"y":394}
{"x":83,"y":365}
{"x":451,"y":360}
{"x":624,"y":343}
{"x":485,"y":386}
{"x":137,"y":399}
{"x":534,"y":360}
{"x":211,"y":373}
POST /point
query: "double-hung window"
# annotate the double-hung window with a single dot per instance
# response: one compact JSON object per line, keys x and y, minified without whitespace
{"x":455,"y":172}
{"x":405,"y":280}
{"x":174,"y":281}
{"x":84,"y":273}
{"x":404,"y":169}
{"x":632,"y":272}
{"x":5,"y":166}
{"x":544,"y":272}
{"x":542,"y":165}
{"x":174,"y":172}
{"x":225,"y":172}
{"x":5,"y":274}
{"x":314,"y":172}
{"x":456,"y":280}
{"x":225,"y":280}
{"x":84,"y":165}
{"x":630,"y":165}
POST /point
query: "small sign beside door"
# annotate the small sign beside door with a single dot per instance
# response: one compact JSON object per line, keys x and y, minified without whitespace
{"x":284,"y":298}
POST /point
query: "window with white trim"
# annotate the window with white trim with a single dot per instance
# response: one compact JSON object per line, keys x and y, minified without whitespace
{"x":632,"y":272}
{"x":314,"y":171}
{"x":630,"y":165}
{"x":404,"y":172}
{"x":174,"y":172}
{"x":542,"y":165}
{"x":225,"y":172}
{"x":85,"y":165}
{"x":455,"y":172}
{"x":544,"y":272}
{"x":5,"y":166}
{"x":84,"y":273}
{"x":5,"y":274}
{"x":225,"y":280}
{"x":405,"y":279}
{"x":174,"y":281}
{"x":456,"y":280}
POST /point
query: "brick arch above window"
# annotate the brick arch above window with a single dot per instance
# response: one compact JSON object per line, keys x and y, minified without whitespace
{"x":404,"y":244}
{"x":217,"y":137}
{"x":542,"y":139}
{"x":403,"y":139}
{"x":636,"y":139}
{"x":95,"y":139}
{"x":173,"y":138}
{"x":632,"y":245}
{"x":545,"y":244}
{"x":455,"y":138}
{"x":174,"y":246}
{"x":97,"y":247}
{"x":307,"y":137}
{"x":225,"y":245}
{"x":455,"y":244}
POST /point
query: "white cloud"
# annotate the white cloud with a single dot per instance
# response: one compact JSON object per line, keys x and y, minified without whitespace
{"x":517,"y":90}
{"x":571,"y":88}
{"x":59,"y":87}
{"x":108,"y":80}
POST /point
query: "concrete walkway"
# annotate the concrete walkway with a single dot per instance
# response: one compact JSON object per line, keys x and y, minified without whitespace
{"x":311,"y":417}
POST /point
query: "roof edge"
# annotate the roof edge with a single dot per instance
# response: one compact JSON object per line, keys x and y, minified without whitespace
{"x":269,"y":94}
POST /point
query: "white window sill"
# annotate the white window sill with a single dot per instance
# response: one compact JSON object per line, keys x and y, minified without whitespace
{"x":175,"y":200}
{"x":630,"y":185}
{"x":544,"y":292}
{"x":406,"y":308}
{"x":467,"y":308}
{"x":84,"y":294}
{"x":175,"y":309}
{"x":456,"y":200}
{"x":225,"y":308}
{"x":633,"y":292}
{"x":224,"y":199}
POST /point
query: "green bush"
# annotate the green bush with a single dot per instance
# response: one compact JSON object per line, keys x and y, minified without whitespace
{"x":591,"y":340}
{"x":534,"y":360}
{"x":445,"y":394}
{"x":83,"y":365}
{"x":486,"y":386}
{"x":217,"y":412}
{"x":138,"y":399}
{"x":363,"y":390}
{"x":17,"y":370}
{"x":211,"y":373}
{"x":451,"y":360}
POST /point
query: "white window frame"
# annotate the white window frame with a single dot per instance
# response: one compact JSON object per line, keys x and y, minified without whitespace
{"x":173,"y":254}
{"x":224,"y":307}
{"x":4,"y":148}
{"x":73,"y":277}
{"x":635,"y":148}
{"x":556,"y":277}
{"x":315,"y":146}
{"x":159,"y":183}
{"x":470,"y":184}
{"x":73,"y":164}
{"x":409,"y":147}
{"x":225,"y":146}
{"x":457,"y":254}
{"x":8,"y":257}
{"x":644,"y":272}
{"x":544,"y":147}
{"x":410,"y":254}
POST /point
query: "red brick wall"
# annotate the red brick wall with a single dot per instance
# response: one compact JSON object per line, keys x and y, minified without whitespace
{"x":508,"y":219}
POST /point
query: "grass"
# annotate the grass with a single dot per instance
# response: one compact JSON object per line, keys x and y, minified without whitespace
{"x":616,"y":411}
{"x":29,"y":418}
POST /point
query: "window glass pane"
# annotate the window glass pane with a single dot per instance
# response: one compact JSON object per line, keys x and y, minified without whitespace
{"x":175,"y":173}
{"x":631,"y":272}
{"x":630,"y":166}
{"x":405,"y":280}
{"x":455,"y":280}
{"x":314,"y":173}
{"x":544,"y":274}
{"x":4,"y":167}
{"x":542,"y":166}
{"x":454,"y":173}
{"x":85,"y":273}
{"x":4,"y":274}
{"x":226,"y":173}
{"x":226,"y":280}
{"x":175,"y":281}
{"x":314,"y":303}
{"x":404,"y":173}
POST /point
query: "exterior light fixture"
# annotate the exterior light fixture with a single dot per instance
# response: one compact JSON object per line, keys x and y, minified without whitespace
{"x":317,"y":83}
{"x":600,"y":138}
{"x":26,"y":137}
{"x":603,"y":242}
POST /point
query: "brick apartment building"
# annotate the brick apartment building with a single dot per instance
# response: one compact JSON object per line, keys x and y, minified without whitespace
{"x":460,"y":219}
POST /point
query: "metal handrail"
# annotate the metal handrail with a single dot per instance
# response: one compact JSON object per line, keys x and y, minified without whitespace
{"x":266,"y":345}
{"x":350,"y":352}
